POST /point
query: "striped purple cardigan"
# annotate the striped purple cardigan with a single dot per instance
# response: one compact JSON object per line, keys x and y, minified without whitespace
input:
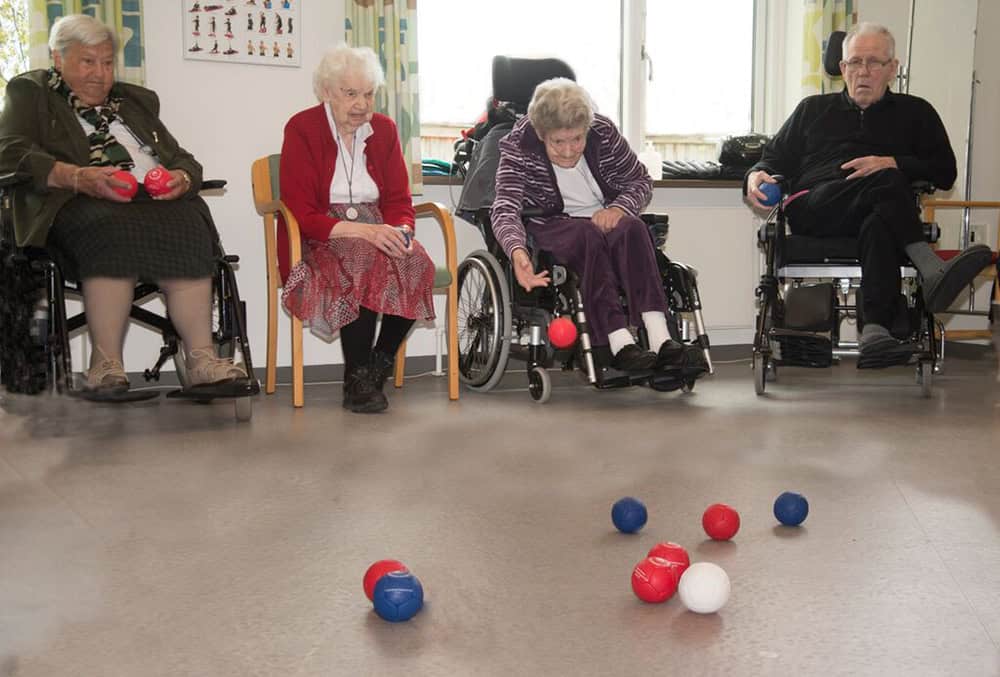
{"x":525,"y":178}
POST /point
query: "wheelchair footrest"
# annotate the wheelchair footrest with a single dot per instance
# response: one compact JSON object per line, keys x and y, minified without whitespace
{"x":896,"y":356}
{"x":212,"y":391}
{"x":119,"y":397}
{"x":803,"y":350}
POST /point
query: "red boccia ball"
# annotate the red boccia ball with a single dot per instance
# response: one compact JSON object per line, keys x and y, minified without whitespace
{"x":156,"y":181}
{"x":562,"y":333}
{"x":127,"y":177}
{"x":377,"y":571}
{"x":720,"y":521}
{"x":654,"y":580}
{"x":673,"y":553}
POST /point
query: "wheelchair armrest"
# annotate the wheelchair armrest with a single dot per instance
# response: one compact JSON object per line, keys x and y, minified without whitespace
{"x":655,"y":219}
{"x":923,"y":187}
{"x":13,"y":179}
{"x":213,"y":184}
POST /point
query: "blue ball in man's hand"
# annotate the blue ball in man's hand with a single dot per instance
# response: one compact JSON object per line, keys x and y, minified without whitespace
{"x":772,"y":193}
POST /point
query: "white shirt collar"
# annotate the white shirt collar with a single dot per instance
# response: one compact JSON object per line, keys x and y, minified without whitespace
{"x":363,"y":132}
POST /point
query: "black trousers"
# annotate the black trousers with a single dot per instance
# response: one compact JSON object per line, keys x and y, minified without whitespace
{"x":881,"y":212}
{"x":356,"y":337}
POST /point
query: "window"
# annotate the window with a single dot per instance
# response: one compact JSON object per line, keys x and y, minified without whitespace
{"x":13,"y":40}
{"x":700,"y":59}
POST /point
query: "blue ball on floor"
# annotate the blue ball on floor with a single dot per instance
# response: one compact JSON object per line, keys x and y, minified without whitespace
{"x":398,"y":596}
{"x":772,"y":191}
{"x":791,"y":509}
{"x":628,"y":514}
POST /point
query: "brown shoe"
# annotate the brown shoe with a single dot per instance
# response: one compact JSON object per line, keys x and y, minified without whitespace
{"x":107,"y":376}
{"x":204,"y":367}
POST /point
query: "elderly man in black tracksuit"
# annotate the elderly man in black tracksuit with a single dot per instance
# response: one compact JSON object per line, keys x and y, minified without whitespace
{"x":849,"y":160}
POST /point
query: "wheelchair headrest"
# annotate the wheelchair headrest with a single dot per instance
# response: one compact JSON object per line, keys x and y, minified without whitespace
{"x":515,"y":79}
{"x":834,"y":53}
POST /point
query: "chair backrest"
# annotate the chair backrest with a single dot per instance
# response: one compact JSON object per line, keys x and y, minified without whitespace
{"x":265,"y":178}
{"x":515,"y":79}
{"x":833,"y":53}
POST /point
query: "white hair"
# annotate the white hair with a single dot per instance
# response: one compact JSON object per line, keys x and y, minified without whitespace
{"x":871,"y":28}
{"x":80,"y":29}
{"x":340,"y":60}
{"x":560,"y":103}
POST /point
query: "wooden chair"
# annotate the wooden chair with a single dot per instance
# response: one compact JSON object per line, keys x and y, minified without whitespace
{"x":930,"y":208}
{"x":267,"y":200}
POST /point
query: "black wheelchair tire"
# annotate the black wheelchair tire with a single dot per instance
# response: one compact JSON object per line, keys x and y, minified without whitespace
{"x":490,"y":373}
{"x":23,"y":359}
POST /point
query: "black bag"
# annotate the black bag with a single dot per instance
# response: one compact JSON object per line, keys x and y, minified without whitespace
{"x":742,"y":151}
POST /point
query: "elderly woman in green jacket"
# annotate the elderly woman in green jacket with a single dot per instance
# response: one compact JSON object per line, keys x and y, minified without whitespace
{"x":74,"y":129}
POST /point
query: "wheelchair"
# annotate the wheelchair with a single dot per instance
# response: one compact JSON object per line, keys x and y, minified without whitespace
{"x":35,"y":329}
{"x":809,"y":287}
{"x":498,"y":320}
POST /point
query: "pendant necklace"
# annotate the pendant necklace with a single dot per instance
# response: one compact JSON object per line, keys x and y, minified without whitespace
{"x":351,"y":212}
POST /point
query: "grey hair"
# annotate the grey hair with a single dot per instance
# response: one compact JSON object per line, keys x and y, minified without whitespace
{"x":560,"y":103}
{"x":871,"y":28}
{"x":341,"y":60}
{"x":81,"y":29}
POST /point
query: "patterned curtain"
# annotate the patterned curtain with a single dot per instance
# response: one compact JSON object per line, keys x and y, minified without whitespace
{"x":822,"y":17}
{"x":390,"y":28}
{"x":124,"y":16}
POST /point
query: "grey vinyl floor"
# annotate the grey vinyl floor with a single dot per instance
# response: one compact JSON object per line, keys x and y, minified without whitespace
{"x":168,"y":539}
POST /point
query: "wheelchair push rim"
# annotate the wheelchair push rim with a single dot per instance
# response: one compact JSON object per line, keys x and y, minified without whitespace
{"x":484,"y":321}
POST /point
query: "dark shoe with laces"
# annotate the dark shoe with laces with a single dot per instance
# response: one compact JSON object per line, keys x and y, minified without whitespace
{"x":381,"y":366}
{"x":360,"y":394}
{"x":633,"y":358}
{"x":670,"y":354}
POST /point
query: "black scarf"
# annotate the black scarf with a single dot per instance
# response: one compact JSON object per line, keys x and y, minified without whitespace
{"x":105,"y":150}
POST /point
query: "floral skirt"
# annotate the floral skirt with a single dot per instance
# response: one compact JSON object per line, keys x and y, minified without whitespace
{"x":336,"y":277}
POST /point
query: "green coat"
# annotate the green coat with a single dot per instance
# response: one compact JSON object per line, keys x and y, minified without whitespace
{"x":38,"y":127}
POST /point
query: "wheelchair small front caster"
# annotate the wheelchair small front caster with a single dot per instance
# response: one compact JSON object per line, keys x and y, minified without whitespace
{"x":760,"y":369}
{"x":539,"y":385}
{"x":687,"y":386}
{"x":925,"y":377}
{"x":243,"y":407}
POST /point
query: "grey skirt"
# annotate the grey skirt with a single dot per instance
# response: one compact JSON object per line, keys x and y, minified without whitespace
{"x":147,"y":239}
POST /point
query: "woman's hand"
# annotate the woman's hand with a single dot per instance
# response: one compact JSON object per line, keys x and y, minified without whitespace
{"x":388,"y":239}
{"x":178,"y":184}
{"x":98,"y":182}
{"x":525,"y":272}
{"x":607,"y":219}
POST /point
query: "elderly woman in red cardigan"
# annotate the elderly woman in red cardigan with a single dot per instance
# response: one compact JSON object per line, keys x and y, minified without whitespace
{"x":344,"y":178}
{"x":577,"y":168}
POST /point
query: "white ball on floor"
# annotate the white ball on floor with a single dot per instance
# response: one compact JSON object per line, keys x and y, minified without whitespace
{"x":704,"y":588}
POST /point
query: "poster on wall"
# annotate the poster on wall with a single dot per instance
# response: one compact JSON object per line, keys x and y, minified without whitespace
{"x":262,"y":32}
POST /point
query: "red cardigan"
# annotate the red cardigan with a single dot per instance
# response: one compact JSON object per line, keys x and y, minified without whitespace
{"x":308,"y":158}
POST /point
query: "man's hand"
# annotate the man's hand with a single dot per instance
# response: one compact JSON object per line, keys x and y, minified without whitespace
{"x":754,"y":194}
{"x":607,"y":219}
{"x":525,"y":272}
{"x":869,"y":164}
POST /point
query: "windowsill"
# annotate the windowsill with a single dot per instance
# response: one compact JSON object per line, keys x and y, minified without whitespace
{"x":664,"y":183}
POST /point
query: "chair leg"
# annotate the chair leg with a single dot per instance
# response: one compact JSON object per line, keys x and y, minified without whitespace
{"x":298,"y":387}
{"x":400,"y":368}
{"x":271,"y":376}
{"x":453,"y":339}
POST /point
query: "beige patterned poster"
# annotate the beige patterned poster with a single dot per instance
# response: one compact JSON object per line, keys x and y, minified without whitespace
{"x":262,"y":32}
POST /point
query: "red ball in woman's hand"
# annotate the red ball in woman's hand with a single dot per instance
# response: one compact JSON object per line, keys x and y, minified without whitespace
{"x":125,"y":177}
{"x":156,"y":181}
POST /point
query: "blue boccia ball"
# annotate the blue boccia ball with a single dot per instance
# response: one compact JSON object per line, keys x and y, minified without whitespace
{"x":791,"y":509}
{"x":772,"y":191}
{"x":398,"y":596}
{"x":628,"y":514}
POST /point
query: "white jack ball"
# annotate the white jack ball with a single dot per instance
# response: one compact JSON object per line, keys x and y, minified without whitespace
{"x":704,"y":588}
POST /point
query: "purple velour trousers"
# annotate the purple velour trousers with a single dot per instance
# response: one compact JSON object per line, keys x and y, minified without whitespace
{"x":607,"y":263}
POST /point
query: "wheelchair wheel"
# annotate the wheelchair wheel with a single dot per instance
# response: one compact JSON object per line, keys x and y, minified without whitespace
{"x":687,"y":386}
{"x":484,"y":321}
{"x":23,"y":360}
{"x":539,"y":385}
{"x":760,"y":369}
{"x":925,"y":377}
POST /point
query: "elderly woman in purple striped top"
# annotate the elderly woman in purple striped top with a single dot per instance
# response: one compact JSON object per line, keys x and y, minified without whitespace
{"x":577,"y":168}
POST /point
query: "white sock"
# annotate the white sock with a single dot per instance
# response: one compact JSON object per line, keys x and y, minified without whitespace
{"x":656,"y":328}
{"x":619,"y":338}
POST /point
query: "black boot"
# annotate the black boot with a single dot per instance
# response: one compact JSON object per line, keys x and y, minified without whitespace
{"x":381,"y":366}
{"x":360,"y":394}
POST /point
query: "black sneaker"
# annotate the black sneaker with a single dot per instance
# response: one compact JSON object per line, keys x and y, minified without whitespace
{"x":360,"y":394}
{"x":633,"y":358}
{"x":671,"y":354}
{"x":942,"y":290}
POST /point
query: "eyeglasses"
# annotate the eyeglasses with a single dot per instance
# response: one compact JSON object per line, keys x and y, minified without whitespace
{"x":353,"y":95}
{"x":871,"y":65}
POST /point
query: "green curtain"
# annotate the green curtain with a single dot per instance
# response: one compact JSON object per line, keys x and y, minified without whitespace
{"x":390,"y":28}
{"x":124,"y":16}
{"x":822,"y":17}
